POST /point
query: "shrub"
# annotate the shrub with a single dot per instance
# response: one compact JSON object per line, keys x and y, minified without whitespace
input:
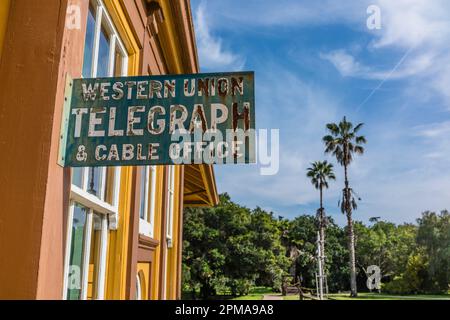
{"x":240,"y":287}
{"x":411,"y":281}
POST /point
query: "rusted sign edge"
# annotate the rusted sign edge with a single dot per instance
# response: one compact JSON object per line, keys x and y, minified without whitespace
{"x":66,"y":138}
{"x":65,"y":121}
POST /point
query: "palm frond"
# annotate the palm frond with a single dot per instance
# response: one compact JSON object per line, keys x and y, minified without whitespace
{"x":319,"y":173}
{"x":358,"y":127}
{"x":333,"y":128}
{"x":354,"y":204}
{"x":359,"y":150}
{"x":361,"y":140}
{"x":342,"y":138}
{"x":343,"y":203}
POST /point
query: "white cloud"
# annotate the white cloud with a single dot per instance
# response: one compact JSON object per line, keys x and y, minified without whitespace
{"x":402,"y":173}
{"x":300,"y":110}
{"x":405,"y":169}
{"x":420,"y":28}
{"x":403,"y":197}
{"x":347,"y":66}
{"x":414,"y":23}
{"x":434,"y":130}
{"x":212,"y":54}
{"x":436,"y":143}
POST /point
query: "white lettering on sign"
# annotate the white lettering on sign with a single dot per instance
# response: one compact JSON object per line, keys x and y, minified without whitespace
{"x":129,"y":152}
{"x":112,"y":132}
{"x":94,"y":122}
{"x":132,"y":120}
{"x":78,"y":118}
{"x":215,"y":118}
{"x":125,"y":120}
{"x":154,"y":89}
{"x":176,"y":123}
{"x":152,"y":119}
{"x":160,"y":123}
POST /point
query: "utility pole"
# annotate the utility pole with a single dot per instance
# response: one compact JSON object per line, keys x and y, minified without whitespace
{"x":319,"y":263}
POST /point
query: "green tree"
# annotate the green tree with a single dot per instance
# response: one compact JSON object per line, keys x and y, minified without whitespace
{"x":343,"y":142}
{"x":434,"y":237}
{"x":337,"y":269}
{"x":320,"y":173}
{"x":203,"y":254}
{"x":302,"y":235}
{"x":385,"y":245}
{"x":412,"y":278}
{"x":266,"y":235}
{"x":230,"y":248}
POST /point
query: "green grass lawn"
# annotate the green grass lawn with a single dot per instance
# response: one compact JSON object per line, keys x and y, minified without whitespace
{"x":377,"y":296}
{"x":256,"y":293}
{"x":249,"y":297}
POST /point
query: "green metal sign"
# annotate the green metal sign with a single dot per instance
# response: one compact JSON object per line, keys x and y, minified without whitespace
{"x":151,"y":120}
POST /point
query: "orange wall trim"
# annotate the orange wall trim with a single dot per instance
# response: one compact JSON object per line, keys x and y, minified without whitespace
{"x":34,"y":195}
{"x":4,"y":12}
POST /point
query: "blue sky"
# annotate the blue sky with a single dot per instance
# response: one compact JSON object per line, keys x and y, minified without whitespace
{"x":316,"y":61}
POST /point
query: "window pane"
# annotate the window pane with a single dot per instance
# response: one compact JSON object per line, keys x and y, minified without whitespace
{"x":76,"y":253}
{"x":89,"y":44}
{"x":103,"y":54}
{"x":94,"y":180}
{"x":77,"y":177}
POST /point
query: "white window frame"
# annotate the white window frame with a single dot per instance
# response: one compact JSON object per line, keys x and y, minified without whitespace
{"x":146,"y":224}
{"x":170,"y":205}
{"x":101,"y":215}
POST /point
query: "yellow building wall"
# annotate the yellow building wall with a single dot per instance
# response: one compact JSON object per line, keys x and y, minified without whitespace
{"x":160,"y":203}
{"x":170,"y":43}
{"x":172,"y":52}
{"x":172,"y":253}
{"x":4,"y":11}
{"x":118,"y":240}
{"x":143,"y":272}
{"x":118,"y":251}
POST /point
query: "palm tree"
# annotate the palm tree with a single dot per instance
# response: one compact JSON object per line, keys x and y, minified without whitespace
{"x":343,"y":142}
{"x":320,"y":173}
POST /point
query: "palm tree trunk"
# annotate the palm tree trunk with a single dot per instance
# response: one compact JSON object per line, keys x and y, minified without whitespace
{"x":322,"y":230}
{"x":351,"y":236}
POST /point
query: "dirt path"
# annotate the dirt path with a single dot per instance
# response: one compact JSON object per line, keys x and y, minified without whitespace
{"x":272,"y":297}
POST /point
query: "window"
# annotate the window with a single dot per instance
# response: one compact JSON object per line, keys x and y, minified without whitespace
{"x":94,"y":192}
{"x":77,"y":238}
{"x":147,"y":200}
{"x":170,"y":204}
